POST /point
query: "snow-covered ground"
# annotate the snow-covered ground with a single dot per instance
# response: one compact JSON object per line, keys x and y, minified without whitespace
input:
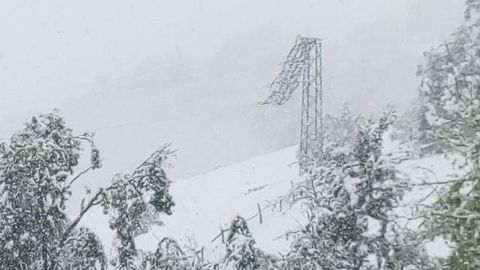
{"x":211,"y":200}
{"x":207,"y":202}
{"x":420,"y":171}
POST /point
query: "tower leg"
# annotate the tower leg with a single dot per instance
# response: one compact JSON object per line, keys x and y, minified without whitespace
{"x":311,"y":134}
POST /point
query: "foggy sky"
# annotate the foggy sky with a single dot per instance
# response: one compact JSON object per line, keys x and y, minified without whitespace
{"x":143,"y":73}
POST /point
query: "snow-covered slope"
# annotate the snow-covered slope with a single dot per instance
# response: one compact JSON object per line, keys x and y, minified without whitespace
{"x":207,"y":202}
{"x":210,"y":201}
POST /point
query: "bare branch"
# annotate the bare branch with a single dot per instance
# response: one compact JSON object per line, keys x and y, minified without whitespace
{"x":95,"y":200}
{"x":77,"y":177}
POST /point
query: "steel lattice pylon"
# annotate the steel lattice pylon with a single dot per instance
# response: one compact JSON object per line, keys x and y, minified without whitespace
{"x":303,"y":66}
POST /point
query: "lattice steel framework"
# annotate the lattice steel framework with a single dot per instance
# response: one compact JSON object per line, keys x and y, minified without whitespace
{"x":303,"y":66}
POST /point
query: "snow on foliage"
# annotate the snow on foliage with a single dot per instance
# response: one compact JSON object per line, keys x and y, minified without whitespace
{"x":451,"y":93}
{"x":351,"y":199}
{"x":241,"y":253}
{"x":134,"y":203}
{"x":353,"y":196}
{"x":38,"y":168}
{"x":36,"y":173}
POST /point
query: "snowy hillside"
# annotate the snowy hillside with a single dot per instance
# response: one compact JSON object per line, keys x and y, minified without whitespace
{"x":208,"y":202}
{"x":211,"y":200}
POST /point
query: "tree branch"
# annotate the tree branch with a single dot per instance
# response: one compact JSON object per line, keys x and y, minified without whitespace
{"x":77,"y":177}
{"x":95,"y":200}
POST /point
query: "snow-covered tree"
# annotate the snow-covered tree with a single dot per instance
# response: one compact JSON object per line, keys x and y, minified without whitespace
{"x":473,"y":6}
{"x":450,"y":84}
{"x":376,"y":190}
{"x":333,"y":238}
{"x":135,"y":202}
{"x":412,"y":131}
{"x":37,"y":170}
{"x":83,"y":250}
{"x":168,"y":255}
{"x":350,"y":201}
{"x":340,"y":131}
{"x":241,"y":253}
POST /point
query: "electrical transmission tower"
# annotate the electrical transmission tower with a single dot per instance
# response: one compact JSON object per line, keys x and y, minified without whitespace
{"x":303,"y":66}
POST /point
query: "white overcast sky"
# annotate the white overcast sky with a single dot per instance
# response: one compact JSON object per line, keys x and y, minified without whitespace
{"x":144,"y":72}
